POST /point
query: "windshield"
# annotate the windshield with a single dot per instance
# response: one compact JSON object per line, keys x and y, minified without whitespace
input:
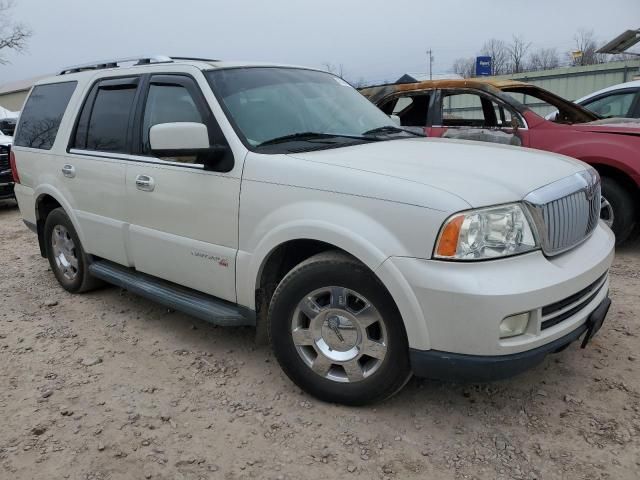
{"x":274,"y":105}
{"x":544,"y":103}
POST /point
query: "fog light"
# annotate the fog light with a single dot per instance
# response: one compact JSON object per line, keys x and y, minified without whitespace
{"x":514,"y":325}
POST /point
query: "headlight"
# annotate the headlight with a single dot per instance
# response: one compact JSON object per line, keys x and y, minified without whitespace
{"x":486,"y":233}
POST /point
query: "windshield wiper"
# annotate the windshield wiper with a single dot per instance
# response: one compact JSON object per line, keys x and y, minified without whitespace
{"x":392,"y":129}
{"x":304,"y":136}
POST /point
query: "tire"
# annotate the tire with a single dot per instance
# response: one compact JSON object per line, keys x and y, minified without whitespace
{"x":621,"y":206}
{"x":68,"y":260}
{"x":353,"y":325}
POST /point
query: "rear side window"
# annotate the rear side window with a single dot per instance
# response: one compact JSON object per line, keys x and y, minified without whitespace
{"x":42,"y":114}
{"x":104,"y":120}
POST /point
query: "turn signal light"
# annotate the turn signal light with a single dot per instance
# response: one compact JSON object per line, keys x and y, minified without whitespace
{"x":448,"y":241}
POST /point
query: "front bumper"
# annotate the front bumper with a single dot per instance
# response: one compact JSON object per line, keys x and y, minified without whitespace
{"x":6,"y":187}
{"x":461,"y":305}
{"x":478,"y":368}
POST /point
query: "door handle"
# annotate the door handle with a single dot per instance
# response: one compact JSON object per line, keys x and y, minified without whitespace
{"x":145,"y":183}
{"x":68,"y":171}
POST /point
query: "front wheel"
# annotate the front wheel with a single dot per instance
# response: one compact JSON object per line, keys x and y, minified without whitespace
{"x":337,"y":333}
{"x":618,"y":209}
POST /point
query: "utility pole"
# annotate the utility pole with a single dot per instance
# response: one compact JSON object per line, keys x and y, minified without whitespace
{"x":430,"y":64}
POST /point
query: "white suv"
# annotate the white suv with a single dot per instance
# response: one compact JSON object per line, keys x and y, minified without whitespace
{"x":280,"y":197}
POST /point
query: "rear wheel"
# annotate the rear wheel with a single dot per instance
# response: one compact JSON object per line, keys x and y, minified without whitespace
{"x":618,"y":209}
{"x":66,"y":256}
{"x":337,"y":333}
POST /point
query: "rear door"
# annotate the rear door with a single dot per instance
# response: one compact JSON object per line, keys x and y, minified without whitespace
{"x":93,"y":172}
{"x":184,"y":219}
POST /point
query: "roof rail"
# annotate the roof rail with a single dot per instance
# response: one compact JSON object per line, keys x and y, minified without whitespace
{"x":143,"y":60}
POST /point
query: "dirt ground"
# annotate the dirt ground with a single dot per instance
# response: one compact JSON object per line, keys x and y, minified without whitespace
{"x":107,"y":385}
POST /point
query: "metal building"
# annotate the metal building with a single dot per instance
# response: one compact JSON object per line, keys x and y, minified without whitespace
{"x":13,"y":94}
{"x":576,"y":82}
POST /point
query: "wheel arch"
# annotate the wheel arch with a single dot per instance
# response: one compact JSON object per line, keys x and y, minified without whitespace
{"x":46,"y":201}
{"x":277,"y":260}
{"x":606,"y":169}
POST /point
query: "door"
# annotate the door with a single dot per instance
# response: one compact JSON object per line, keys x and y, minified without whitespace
{"x":471,"y":115}
{"x":93,"y":172}
{"x":183,"y":218}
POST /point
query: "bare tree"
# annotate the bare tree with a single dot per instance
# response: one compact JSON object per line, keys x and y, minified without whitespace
{"x":13,"y":35}
{"x":361,"y":82}
{"x":517,"y":49}
{"x":335,"y":69}
{"x":465,"y":67}
{"x":544,"y":59}
{"x":586,"y":47}
{"x":499,"y":53}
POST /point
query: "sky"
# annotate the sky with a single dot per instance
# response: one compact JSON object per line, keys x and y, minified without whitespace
{"x":373,"y":40}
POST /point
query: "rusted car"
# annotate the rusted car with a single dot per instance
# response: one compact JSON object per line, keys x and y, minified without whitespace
{"x":513,"y":113}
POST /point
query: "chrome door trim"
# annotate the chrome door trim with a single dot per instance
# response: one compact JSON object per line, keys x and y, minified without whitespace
{"x":135,"y":158}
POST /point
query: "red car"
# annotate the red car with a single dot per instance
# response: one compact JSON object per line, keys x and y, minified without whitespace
{"x":503,"y":112}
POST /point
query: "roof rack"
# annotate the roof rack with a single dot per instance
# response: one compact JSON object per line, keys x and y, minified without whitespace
{"x":117,"y":62}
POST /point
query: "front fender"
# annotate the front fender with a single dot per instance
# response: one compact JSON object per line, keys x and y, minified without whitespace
{"x":611,"y":152}
{"x":369,"y":236}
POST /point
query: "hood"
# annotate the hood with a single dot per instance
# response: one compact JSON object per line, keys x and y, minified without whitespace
{"x":482,"y":174}
{"x":5,"y":139}
{"x":621,"y":126}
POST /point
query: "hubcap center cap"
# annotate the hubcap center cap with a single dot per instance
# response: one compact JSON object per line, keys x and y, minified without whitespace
{"x":339,"y":333}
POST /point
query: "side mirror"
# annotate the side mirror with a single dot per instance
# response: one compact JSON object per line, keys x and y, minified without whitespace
{"x":395,"y":119}
{"x":184,"y":139}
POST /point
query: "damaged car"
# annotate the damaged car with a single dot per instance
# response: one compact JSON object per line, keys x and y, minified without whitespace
{"x":513,"y":113}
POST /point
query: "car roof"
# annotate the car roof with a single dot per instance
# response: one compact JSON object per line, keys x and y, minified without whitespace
{"x":619,"y":86}
{"x":131,"y":65}
{"x":456,"y":82}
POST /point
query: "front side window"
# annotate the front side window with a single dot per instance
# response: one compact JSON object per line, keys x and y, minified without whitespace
{"x":464,"y":110}
{"x":269,"y":103}
{"x":168,"y":104}
{"x":42,"y":114}
{"x":614,"y":105}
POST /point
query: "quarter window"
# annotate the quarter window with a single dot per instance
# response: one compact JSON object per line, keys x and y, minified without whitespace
{"x":42,"y":114}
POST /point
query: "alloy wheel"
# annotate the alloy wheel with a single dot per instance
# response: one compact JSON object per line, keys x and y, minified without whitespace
{"x":64,"y":252}
{"x":606,"y":212}
{"x":339,"y":334}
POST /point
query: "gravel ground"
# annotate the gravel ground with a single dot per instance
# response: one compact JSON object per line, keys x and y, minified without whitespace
{"x":107,"y":385}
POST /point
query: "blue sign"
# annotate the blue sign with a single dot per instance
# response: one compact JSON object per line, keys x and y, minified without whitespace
{"x":483,"y":66}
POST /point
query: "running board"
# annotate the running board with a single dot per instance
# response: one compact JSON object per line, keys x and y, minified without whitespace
{"x":194,"y":303}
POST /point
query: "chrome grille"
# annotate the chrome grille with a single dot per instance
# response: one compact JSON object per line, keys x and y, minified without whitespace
{"x":567,"y":211}
{"x":4,"y":158}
